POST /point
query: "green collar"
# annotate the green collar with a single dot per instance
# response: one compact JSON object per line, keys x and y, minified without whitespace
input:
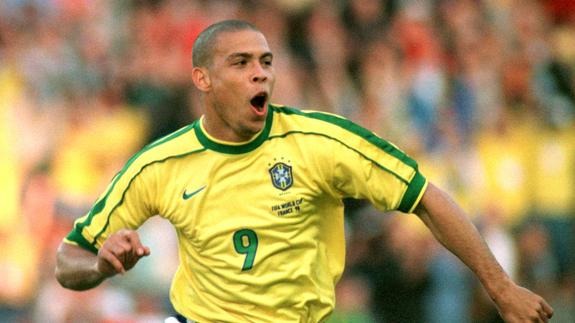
{"x":235,"y":149}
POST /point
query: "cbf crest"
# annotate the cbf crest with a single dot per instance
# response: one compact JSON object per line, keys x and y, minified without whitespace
{"x":281,"y":175}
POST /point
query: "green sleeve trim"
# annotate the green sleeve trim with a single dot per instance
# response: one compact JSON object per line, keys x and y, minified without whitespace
{"x":77,"y":237}
{"x":416,"y":186}
{"x":413,"y":194}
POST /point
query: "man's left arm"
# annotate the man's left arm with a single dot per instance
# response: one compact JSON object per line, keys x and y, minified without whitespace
{"x":452,"y":228}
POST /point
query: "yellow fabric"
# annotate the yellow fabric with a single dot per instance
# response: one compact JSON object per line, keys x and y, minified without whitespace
{"x":220,"y":202}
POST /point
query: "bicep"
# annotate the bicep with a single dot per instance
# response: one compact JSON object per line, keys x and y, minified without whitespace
{"x":434,"y":201}
{"x":428,"y":199}
{"x":442,"y":215}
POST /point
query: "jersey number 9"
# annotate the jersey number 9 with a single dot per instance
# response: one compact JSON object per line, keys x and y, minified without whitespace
{"x":246,"y":243}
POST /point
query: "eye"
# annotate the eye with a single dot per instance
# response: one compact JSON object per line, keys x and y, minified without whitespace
{"x":242,"y":62}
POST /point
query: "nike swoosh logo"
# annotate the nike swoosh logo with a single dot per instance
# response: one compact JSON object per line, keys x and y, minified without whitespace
{"x":189,"y":195}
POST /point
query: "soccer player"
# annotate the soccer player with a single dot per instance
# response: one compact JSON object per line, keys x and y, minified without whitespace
{"x":255,"y":192}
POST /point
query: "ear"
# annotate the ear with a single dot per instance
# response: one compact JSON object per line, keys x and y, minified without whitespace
{"x":201,"y":78}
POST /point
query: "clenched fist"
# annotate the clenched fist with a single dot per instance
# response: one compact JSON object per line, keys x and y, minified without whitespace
{"x":121,"y":251}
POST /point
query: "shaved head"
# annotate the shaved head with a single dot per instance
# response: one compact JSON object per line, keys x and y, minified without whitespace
{"x":202,"y":52}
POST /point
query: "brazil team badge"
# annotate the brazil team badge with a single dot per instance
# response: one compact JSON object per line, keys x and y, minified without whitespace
{"x":282,"y":177}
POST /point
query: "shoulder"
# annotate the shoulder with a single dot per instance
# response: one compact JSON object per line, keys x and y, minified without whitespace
{"x":290,"y":119}
{"x":335,"y":128}
{"x":180,"y":143}
{"x":326,"y":124}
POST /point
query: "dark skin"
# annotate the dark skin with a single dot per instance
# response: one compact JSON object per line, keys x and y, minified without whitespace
{"x":451,"y":227}
{"x":241,"y":68}
{"x":80,"y":269}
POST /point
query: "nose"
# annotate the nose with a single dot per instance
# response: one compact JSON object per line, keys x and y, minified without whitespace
{"x":260,"y":74}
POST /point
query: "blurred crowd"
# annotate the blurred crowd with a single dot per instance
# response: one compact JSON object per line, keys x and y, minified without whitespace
{"x":480,"y":92}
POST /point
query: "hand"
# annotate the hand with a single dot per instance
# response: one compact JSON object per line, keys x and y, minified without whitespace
{"x":121,"y":251}
{"x":517,"y":304}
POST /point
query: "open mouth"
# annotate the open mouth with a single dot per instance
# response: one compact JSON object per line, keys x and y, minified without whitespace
{"x":258,"y":102}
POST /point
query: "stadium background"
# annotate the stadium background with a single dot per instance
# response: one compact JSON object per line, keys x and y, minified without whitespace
{"x":482,"y":93}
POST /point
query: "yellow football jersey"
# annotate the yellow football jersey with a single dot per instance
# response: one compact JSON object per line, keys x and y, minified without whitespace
{"x":260,"y":223}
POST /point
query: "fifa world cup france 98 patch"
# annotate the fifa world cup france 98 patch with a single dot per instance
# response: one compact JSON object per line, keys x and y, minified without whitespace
{"x":288,"y":208}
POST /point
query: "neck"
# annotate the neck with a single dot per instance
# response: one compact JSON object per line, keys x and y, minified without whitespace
{"x":223,"y":132}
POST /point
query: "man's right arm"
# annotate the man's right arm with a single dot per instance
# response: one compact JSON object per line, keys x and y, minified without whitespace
{"x":80,"y":269}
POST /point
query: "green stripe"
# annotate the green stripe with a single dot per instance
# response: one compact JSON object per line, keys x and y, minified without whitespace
{"x":81,"y":241}
{"x":412,"y":193}
{"x":353,"y":128}
{"x":413,"y":188}
{"x":357,"y":151}
{"x":239,"y":149}
{"x":418,"y":181}
{"x":130,"y":183}
{"x":101,"y":204}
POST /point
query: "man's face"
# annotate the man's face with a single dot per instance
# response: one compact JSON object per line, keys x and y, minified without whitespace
{"x":241,"y":82}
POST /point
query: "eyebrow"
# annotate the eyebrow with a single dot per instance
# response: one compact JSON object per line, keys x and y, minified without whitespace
{"x":248,"y":55}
